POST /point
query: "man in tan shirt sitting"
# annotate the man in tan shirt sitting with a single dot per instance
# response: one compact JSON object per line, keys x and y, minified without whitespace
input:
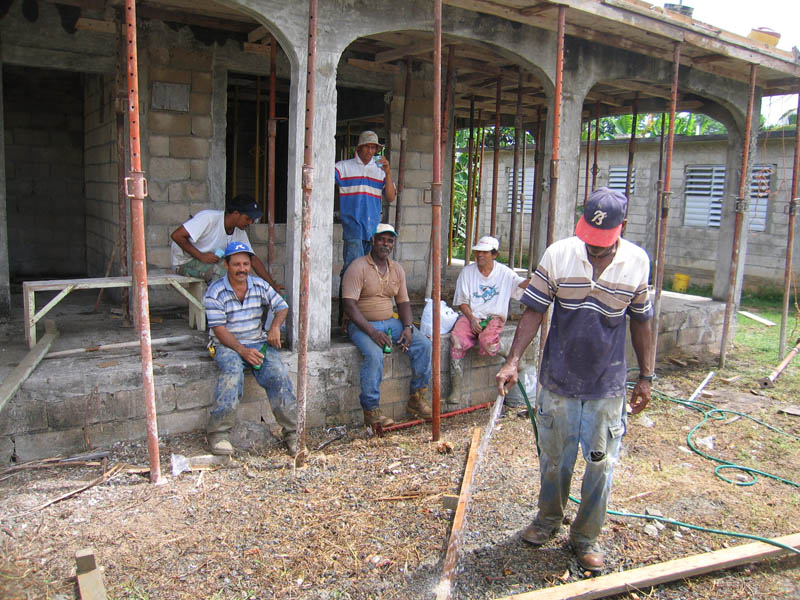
{"x":371,"y":284}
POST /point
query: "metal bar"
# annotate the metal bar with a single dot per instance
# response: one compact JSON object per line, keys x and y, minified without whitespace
{"x":470,"y":150}
{"x":588,"y":158}
{"x":122,"y":199}
{"x":769,"y":380}
{"x":448,"y":111}
{"x":787,"y":277}
{"x":401,"y":169}
{"x":631,"y":150}
{"x":436,"y":219}
{"x":661,"y":243}
{"x":461,"y":411}
{"x":235,"y":166}
{"x":700,"y":387}
{"x":478,"y":178}
{"x":496,"y":160}
{"x":515,"y":173}
{"x":452,"y":201}
{"x":305,"y":241}
{"x":136,"y":187}
{"x":538,"y":155}
{"x":521,"y":198}
{"x":744,"y":177}
{"x":659,"y":190}
{"x":257,"y":153}
{"x":596,"y":143}
{"x":272,"y":132}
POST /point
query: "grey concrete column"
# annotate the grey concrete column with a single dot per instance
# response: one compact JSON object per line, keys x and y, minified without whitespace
{"x":733,"y":169}
{"x":5,"y":289}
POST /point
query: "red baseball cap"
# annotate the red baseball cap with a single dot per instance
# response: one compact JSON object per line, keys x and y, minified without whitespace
{"x":603,"y":214}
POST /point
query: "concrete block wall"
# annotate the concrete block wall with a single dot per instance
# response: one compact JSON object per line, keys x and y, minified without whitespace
{"x":44,"y":172}
{"x":100,"y":172}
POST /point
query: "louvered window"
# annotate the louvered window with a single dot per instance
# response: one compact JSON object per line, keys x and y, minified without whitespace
{"x":528,"y":194}
{"x":617,"y":177}
{"x":705,"y":187}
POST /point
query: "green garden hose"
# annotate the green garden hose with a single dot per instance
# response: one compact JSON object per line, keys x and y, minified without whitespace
{"x":709,"y":412}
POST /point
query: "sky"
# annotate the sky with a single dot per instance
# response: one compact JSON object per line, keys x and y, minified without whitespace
{"x":740,"y":16}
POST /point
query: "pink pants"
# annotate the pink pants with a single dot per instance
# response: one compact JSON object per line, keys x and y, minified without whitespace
{"x":488,"y":340}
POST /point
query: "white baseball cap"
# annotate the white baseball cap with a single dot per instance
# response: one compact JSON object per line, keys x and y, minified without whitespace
{"x":486,"y":244}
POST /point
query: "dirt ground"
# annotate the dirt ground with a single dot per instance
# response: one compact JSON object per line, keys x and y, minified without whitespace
{"x":365,"y":519}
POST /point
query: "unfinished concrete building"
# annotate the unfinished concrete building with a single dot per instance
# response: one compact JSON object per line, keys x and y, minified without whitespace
{"x":207,"y":70}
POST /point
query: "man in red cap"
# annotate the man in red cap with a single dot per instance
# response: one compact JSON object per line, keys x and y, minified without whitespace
{"x":593,"y":280}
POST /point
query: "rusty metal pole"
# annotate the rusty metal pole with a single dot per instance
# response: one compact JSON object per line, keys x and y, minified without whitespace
{"x":452,"y":202}
{"x":136,"y":189}
{"x":496,"y":160}
{"x":305,"y":241}
{"x":436,"y":218}
{"x":659,"y":190}
{"x":515,"y":172}
{"x":235,"y":165}
{"x":521,"y":199}
{"x":401,"y":169}
{"x":257,"y":153}
{"x":537,"y":178}
{"x":596,"y":143}
{"x":449,"y":81}
{"x":272,"y":131}
{"x":470,"y":150}
{"x":122,"y":198}
{"x":770,"y":379}
{"x":588,"y":156}
{"x":631,"y":156}
{"x":787,"y":276}
{"x":741,"y":207}
{"x":478,"y":178}
{"x":661,"y":248}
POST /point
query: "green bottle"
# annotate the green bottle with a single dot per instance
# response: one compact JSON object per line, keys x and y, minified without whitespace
{"x":263,"y":351}
{"x":484,"y":323}
{"x":387,"y":349}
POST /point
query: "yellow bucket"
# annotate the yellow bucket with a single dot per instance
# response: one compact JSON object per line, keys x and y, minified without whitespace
{"x":680,"y":282}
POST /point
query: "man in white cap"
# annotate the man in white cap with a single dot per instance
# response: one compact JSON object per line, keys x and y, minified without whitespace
{"x":363,"y":181}
{"x":370,"y":286}
{"x":235,"y":306}
{"x":483,"y":291}
{"x":593,"y":281}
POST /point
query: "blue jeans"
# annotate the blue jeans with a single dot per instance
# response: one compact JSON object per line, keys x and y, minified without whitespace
{"x":352,"y":250}
{"x":372,"y":369}
{"x":272,"y":376}
{"x":563,"y":424}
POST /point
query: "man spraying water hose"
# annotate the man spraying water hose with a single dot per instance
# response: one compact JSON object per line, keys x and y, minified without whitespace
{"x":593,"y":280}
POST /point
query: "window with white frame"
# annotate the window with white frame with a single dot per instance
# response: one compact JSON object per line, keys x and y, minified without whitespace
{"x":527,"y":193}
{"x":618,"y":176}
{"x":705,"y":187}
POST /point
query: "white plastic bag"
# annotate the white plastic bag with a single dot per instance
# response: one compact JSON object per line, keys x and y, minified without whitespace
{"x":448,"y":318}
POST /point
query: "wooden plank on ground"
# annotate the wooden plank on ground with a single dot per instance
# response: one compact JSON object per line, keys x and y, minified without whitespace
{"x":644,"y":577}
{"x":761,"y":320}
{"x":23,"y":370}
{"x":90,"y":581}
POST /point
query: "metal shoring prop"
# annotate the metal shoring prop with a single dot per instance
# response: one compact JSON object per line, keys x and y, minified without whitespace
{"x":631,"y":156}
{"x":257,"y":152}
{"x":659,"y":187}
{"x":793,"y":199}
{"x":305,"y":240}
{"x":538,"y":158}
{"x":741,"y":206}
{"x":521,"y":198}
{"x":596,"y":143}
{"x":515,"y":173}
{"x":436,"y":219}
{"x":470,"y":175}
{"x":478,"y":178}
{"x":452,"y":201}
{"x":272,"y":130}
{"x":448,"y":111}
{"x":235,"y":165}
{"x":496,"y":159}
{"x":122,"y":197}
{"x":401,"y":169}
{"x":136,"y":190}
{"x":661,"y":247}
{"x":588,"y":157}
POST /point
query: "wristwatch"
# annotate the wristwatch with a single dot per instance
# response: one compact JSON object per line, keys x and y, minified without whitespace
{"x":646,"y":377}
{"x":411,"y":327}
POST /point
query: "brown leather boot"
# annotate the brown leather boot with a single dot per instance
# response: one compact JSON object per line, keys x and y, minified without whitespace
{"x":418,"y":406}
{"x":374,"y":417}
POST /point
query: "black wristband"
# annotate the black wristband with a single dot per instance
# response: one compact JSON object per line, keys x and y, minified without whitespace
{"x":409,"y":326}
{"x":646,"y":377}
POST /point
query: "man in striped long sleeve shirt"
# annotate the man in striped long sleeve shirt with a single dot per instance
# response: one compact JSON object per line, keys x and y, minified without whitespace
{"x":234,"y":306}
{"x":593,"y":281}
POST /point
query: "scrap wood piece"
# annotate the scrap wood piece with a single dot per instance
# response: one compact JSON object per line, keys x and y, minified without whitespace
{"x":644,"y":577}
{"x":756,"y":318}
{"x":90,"y":581}
{"x":24,"y":369}
{"x":792,"y":409}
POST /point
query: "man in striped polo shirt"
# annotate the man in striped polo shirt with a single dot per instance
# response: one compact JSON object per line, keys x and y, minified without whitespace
{"x":235,"y":306}
{"x":363,"y":181}
{"x":593,"y":280}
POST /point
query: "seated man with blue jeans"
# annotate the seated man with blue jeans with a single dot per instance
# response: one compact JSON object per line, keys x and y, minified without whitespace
{"x":369,"y":287}
{"x":235,"y":306}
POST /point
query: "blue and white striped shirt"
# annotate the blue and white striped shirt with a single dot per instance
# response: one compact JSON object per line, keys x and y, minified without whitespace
{"x":242,"y":319}
{"x":360,"y":193}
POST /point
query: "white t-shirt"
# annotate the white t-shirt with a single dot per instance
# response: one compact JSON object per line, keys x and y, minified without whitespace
{"x":207,"y":233}
{"x":490,"y":295}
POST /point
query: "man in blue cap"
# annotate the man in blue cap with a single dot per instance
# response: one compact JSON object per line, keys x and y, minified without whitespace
{"x":235,"y":307}
{"x":593,"y":280}
{"x":198,"y":244}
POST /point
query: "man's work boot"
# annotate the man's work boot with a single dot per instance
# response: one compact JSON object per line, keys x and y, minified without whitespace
{"x":538,"y":534}
{"x":374,"y":417}
{"x":292,"y":444}
{"x":219,"y":444}
{"x":456,"y":382}
{"x":418,"y":406}
{"x":590,"y":557}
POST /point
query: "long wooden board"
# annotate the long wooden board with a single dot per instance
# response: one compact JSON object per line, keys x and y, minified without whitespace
{"x":23,"y":370}
{"x":644,"y":577}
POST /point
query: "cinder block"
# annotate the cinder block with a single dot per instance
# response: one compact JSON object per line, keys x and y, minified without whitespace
{"x":24,"y":412}
{"x":182,"y":421}
{"x":157,"y":191}
{"x":201,"y":82}
{"x":167,"y":214}
{"x":170,"y":74}
{"x":169,"y":169}
{"x":196,"y":191}
{"x":159,"y":257}
{"x":169,"y":123}
{"x":188,"y":147}
{"x":49,"y":443}
{"x":189,"y":58}
{"x":197,"y":393}
{"x":199,"y":169}
{"x":200,"y":103}
{"x":105,"y":434}
{"x":159,"y":56}
{"x":202,"y":126}
{"x":6,"y":451}
{"x":158,"y":145}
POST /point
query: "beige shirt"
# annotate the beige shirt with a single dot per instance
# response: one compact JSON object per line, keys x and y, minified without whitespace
{"x":374,"y":292}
